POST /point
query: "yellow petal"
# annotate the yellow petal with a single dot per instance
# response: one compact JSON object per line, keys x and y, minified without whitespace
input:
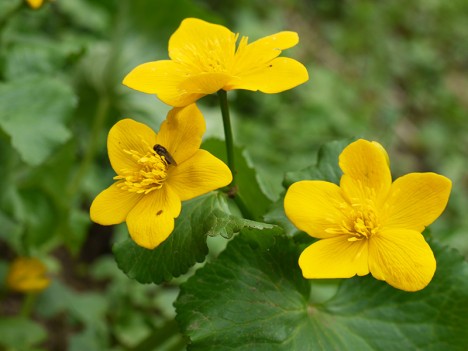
{"x":205,"y":83}
{"x":181,"y":133}
{"x":314,"y":207}
{"x":275,"y":76}
{"x":416,"y":200}
{"x":366,"y":175}
{"x":112,"y":205}
{"x":151,"y":221}
{"x":402,"y":258}
{"x":163,"y":78}
{"x":128,"y":134}
{"x":251,"y":56}
{"x":27,"y":274}
{"x":200,"y":174}
{"x":335,"y":258}
{"x":197,"y":41}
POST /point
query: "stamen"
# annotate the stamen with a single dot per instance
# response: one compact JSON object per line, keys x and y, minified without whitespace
{"x":360,"y":222}
{"x":149,"y":174}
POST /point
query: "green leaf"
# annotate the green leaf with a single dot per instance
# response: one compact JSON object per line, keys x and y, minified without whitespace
{"x":246,"y":298}
{"x":34,"y":56}
{"x":253,"y":299}
{"x":326,"y":168}
{"x":249,"y":187}
{"x":224,"y":224}
{"x":18,"y":333}
{"x":200,"y":217}
{"x":33,"y":112}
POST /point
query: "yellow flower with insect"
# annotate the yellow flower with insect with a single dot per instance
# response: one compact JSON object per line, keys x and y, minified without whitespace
{"x":155,"y":172}
{"x":369,"y":224}
{"x":204,"y":59}
{"x":27,"y":274}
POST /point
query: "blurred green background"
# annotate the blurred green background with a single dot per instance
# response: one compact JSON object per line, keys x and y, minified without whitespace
{"x":395,"y":72}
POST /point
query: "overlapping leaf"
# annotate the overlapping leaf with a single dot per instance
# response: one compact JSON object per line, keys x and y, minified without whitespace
{"x":253,"y":299}
{"x":248,"y":186}
{"x":200,"y":217}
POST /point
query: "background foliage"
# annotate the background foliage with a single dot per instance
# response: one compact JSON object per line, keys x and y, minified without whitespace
{"x":385,"y":71}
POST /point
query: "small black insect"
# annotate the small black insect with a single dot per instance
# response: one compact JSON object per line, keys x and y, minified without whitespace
{"x":161,"y":151}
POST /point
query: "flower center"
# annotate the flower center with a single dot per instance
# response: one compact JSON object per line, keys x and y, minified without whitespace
{"x":360,"y":222}
{"x":149,"y":174}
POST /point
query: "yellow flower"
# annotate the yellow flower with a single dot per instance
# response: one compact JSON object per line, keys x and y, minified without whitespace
{"x":27,"y":274}
{"x":155,"y":172}
{"x":369,"y":224}
{"x":35,"y":4}
{"x":204,"y":59}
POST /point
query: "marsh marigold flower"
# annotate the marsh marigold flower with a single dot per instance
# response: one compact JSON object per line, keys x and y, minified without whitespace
{"x":27,"y":274}
{"x":204,"y":59}
{"x":155,"y":172}
{"x":369,"y":224}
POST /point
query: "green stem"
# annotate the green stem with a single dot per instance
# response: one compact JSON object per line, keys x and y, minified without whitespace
{"x":28,"y":304}
{"x":222,"y":95}
{"x":243,"y":208}
{"x":99,"y":120}
{"x":158,"y":337}
{"x":233,"y":191}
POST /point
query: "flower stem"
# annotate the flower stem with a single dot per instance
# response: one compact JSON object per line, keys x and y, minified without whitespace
{"x":233,"y":191}
{"x":222,"y":95}
{"x":28,"y":304}
{"x":158,"y":337}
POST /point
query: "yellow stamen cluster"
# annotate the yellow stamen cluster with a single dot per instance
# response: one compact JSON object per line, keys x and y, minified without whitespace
{"x":150,"y":176}
{"x":361,"y":221}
